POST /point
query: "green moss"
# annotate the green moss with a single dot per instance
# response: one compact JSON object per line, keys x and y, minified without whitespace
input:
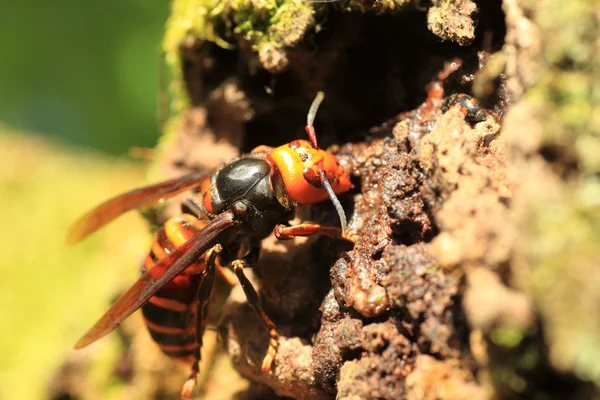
{"x":568,"y":89}
{"x":261,"y":24}
{"x":279,"y":22}
{"x":507,"y":336}
{"x":451,"y":20}
{"x":565,"y":279}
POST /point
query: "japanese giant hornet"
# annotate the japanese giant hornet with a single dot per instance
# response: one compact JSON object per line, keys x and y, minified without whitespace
{"x":240,"y":204}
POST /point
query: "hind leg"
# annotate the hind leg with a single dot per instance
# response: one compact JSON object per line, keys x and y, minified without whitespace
{"x":202,"y":297}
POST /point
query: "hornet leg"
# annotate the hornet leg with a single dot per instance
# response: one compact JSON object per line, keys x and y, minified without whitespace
{"x":252,"y":297}
{"x":283,"y":232}
{"x":202,"y":297}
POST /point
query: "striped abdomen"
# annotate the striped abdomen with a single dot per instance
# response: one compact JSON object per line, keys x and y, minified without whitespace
{"x":170,"y":313}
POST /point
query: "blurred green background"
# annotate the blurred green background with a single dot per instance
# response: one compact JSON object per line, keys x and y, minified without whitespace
{"x":79,"y":83}
{"x":85,"y":72}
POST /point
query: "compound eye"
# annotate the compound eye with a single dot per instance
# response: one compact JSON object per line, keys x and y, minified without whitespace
{"x":239,"y":208}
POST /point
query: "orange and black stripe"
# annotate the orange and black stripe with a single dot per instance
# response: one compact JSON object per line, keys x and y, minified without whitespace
{"x":170,"y":314}
{"x":172,"y":330}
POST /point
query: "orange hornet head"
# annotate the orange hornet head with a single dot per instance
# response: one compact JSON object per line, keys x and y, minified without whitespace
{"x":299,"y":163}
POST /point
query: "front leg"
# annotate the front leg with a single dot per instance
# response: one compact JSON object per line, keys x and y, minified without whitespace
{"x":283,"y":232}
